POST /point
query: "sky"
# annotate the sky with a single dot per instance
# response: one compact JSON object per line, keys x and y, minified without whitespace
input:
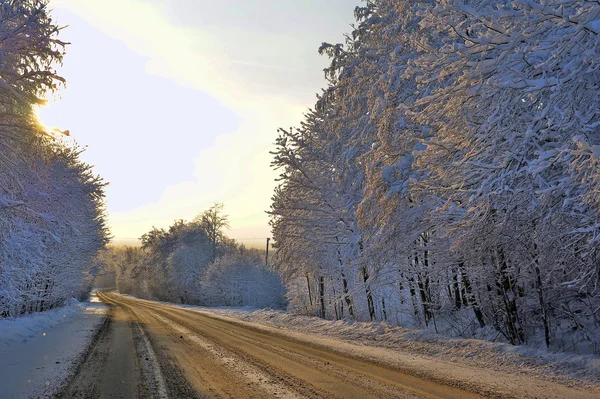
{"x":178,"y":101}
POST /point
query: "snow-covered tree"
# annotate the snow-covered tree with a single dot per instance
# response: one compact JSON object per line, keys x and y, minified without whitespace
{"x":196,"y":263}
{"x":51,"y":204}
{"x":240,"y":278}
{"x":453,"y":158}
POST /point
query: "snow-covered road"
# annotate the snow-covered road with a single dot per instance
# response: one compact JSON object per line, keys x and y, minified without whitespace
{"x":152,"y":349}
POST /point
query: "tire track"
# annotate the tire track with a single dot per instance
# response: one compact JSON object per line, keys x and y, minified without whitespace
{"x":206,"y":376}
{"x":121,"y":362}
{"x":336,"y":375}
{"x":234,"y":363}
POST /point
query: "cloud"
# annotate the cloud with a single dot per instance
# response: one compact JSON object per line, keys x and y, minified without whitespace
{"x":259,"y":90}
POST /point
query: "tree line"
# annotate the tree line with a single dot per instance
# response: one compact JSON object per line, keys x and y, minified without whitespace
{"x":447,"y":176}
{"x":52,"y":218}
{"x":195,"y":263}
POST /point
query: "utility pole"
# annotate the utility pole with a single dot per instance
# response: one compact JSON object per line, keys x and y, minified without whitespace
{"x":267,"y":253}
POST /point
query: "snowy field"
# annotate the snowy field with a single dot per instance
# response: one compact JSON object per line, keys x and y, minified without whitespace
{"x":38,"y":352}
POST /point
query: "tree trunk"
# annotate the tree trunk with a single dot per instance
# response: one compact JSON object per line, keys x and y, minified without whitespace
{"x":505,"y":286}
{"x":370,"y":303}
{"x":457,"y":299}
{"x":322,"y":296}
{"x":309,"y":291}
{"x":413,"y":298}
{"x":469,"y":297}
{"x":347,"y":296}
{"x":423,"y":296}
{"x":540,"y":291}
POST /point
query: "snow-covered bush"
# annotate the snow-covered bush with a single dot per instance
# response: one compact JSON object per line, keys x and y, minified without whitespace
{"x":195,"y":263}
{"x":240,"y":278}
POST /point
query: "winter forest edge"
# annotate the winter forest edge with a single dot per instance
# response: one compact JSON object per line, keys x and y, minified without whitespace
{"x":446,"y":179}
{"x":52,"y":215}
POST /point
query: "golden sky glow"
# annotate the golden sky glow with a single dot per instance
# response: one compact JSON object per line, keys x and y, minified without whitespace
{"x":179,"y":101}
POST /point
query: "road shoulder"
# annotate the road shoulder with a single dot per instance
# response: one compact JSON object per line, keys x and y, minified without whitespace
{"x":38,"y":366}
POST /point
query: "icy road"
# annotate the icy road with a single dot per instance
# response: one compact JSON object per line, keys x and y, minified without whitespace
{"x":148,"y":349}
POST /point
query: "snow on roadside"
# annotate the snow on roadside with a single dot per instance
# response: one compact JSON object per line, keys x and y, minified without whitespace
{"x":559,"y":367}
{"x":14,"y":332}
{"x":38,"y":352}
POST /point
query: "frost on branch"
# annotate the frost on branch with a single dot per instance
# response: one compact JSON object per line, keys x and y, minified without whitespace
{"x":51,"y":204}
{"x":448,"y":175}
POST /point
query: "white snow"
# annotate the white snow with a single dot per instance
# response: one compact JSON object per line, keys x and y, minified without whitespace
{"x":38,"y":352}
{"x":20,"y":330}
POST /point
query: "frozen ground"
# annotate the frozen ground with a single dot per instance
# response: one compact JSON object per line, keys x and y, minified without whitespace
{"x":38,"y":352}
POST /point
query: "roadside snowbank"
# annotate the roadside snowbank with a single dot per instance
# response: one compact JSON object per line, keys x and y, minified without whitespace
{"x":14,"y":332}
{"x":38,"y":352}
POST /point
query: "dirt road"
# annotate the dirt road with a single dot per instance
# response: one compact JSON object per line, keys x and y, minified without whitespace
{"x":147,"y":349}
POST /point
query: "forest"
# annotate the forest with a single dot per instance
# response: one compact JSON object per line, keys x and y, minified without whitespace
{"x":52,"y":214}
{"x":447,"y":176}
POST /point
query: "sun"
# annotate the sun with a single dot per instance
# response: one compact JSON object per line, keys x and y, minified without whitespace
{"x":39,"y":116}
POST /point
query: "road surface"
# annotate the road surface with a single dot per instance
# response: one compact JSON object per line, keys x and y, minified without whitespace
{"x":148,"y":349}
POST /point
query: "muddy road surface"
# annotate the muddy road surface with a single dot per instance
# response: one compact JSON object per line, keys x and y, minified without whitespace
{"x":152,"y":350}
